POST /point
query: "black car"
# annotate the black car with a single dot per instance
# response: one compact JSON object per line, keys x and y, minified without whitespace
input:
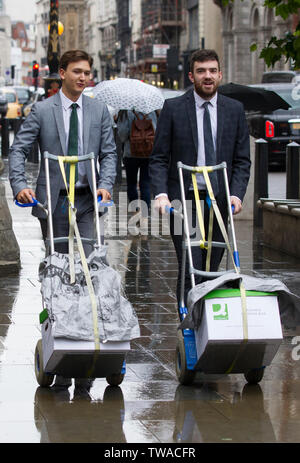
{"x":279,"y":127}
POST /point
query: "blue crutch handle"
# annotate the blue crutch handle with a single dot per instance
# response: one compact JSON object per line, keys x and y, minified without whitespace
{"x":104,"y":204}
{"x":236,"y":258}
{"x":169,"y":209}
{"x":33,"y":204}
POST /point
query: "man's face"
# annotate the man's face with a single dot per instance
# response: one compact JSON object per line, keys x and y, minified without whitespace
{"x":206,"y":78}
{"x":75,"y":78}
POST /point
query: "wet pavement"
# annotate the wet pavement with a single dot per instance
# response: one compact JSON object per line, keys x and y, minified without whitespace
{"x":149,"y":406}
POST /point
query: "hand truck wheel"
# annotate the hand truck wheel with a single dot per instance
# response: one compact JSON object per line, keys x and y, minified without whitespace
{"x":115,"y":379}
{"x":44,"y":379}
{"x":184,"y":375}
{"x":254,"y":376}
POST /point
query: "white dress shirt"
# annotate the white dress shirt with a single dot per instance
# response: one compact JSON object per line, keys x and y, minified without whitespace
{"x":212,"y":107}
{"x":67,"y":109}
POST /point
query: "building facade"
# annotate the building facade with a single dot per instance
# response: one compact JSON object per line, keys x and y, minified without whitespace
{"x":108,"y":46}
{"x":245,"y":23}
{"x":156,"y":56}
{"x":23,"y":51}
{"x":204,"y":30}
{"x":5,"y":45}
{"x":92,"y":33}
{"x":71,"y":15}
{"x":157,"y":37}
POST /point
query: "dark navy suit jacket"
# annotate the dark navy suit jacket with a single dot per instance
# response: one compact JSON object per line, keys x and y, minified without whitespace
{"x":176,"y":139}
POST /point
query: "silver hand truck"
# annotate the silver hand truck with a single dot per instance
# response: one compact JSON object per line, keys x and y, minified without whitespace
{"x":67,"y":357}
{"x":186,"y":358}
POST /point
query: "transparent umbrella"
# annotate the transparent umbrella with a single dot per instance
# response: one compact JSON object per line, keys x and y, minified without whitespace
{"x":129,"y":94}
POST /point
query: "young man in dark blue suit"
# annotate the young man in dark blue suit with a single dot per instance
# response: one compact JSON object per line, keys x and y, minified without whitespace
{"x":180,"y":136}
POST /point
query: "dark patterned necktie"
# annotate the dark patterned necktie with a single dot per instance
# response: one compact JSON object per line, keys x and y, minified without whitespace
{"x":73,"y":140}
{"x":210,"y":154}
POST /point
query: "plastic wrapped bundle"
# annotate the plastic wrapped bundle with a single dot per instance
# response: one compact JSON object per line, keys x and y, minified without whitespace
{"x":69,"y":305}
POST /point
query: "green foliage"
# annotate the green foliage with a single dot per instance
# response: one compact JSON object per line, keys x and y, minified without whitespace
{"x":283,"y":8}
{"x":287,"y":46}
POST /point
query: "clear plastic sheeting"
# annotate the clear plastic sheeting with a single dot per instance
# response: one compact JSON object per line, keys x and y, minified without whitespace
{"x":69,"y":305}
{"x":289,"y":303}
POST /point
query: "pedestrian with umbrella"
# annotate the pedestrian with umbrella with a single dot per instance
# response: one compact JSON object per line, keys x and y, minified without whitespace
{"x":137,"y":104}
{"x":137,"y":163}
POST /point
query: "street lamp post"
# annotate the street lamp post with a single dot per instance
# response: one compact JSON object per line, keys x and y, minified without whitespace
{"x":52,"y":81}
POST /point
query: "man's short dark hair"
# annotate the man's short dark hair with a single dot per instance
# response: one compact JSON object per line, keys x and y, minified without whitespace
{"x":72,"y":56}
{"x":203,"y":55}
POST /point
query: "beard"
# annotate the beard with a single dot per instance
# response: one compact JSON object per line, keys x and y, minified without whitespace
{"x":204,"y":93}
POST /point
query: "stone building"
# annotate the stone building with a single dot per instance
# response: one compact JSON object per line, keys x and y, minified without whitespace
{"x":92,"y":33}
{"x":23,"y":51}
{"x":245,"y":23}
{"x":5,"y":45}
{"x":108,"y":46}
{"x":157,"y":37}
{"x":71,"y":15}
{"x":203,"y":30}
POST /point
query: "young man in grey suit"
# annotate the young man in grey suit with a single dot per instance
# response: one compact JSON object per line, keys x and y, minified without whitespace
{"x":181,"y":135}
{"x":50,"y":123}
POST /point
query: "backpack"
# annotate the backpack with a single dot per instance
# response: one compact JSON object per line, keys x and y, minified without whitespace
{"x":141,"y":137}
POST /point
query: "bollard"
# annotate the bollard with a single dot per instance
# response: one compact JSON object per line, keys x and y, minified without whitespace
{"x":261,"y":189}
{"x":4,"y":137}
{"x":292,"y":171}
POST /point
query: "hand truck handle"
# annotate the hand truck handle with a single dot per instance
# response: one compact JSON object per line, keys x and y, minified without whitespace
{"x":104,"y":203}
{"x":169,"y":210}
{"x":33,"y":204}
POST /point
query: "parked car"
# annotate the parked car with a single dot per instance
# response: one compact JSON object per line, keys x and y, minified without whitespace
{"x":279,"y":127}
{"x":23,"y":93}
{"x":14,"y":108}
{"x":37,"y":95}
{"x":278,"y":77}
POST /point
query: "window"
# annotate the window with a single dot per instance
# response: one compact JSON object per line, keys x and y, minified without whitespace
{"x":193,"y":28}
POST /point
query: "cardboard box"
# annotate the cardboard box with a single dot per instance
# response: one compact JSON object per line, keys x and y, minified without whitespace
{"x":220,"y":343}
{"x":79,"y":359}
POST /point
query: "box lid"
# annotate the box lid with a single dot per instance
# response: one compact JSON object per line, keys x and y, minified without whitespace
{"x":235,"y":292}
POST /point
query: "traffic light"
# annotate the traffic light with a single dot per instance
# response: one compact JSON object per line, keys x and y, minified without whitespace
{"x":35,"y":69}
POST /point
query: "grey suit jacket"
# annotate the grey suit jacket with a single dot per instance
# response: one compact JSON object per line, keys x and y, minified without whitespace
{"x":45,"y":124}
{"x":176,"y":139}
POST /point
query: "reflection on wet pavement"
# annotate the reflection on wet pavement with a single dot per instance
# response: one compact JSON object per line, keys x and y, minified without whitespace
{"x":150,"y":405}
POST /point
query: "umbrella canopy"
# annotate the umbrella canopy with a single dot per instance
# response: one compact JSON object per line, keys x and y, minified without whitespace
{"x":254,"y":98}
{"x":129,"y":94}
